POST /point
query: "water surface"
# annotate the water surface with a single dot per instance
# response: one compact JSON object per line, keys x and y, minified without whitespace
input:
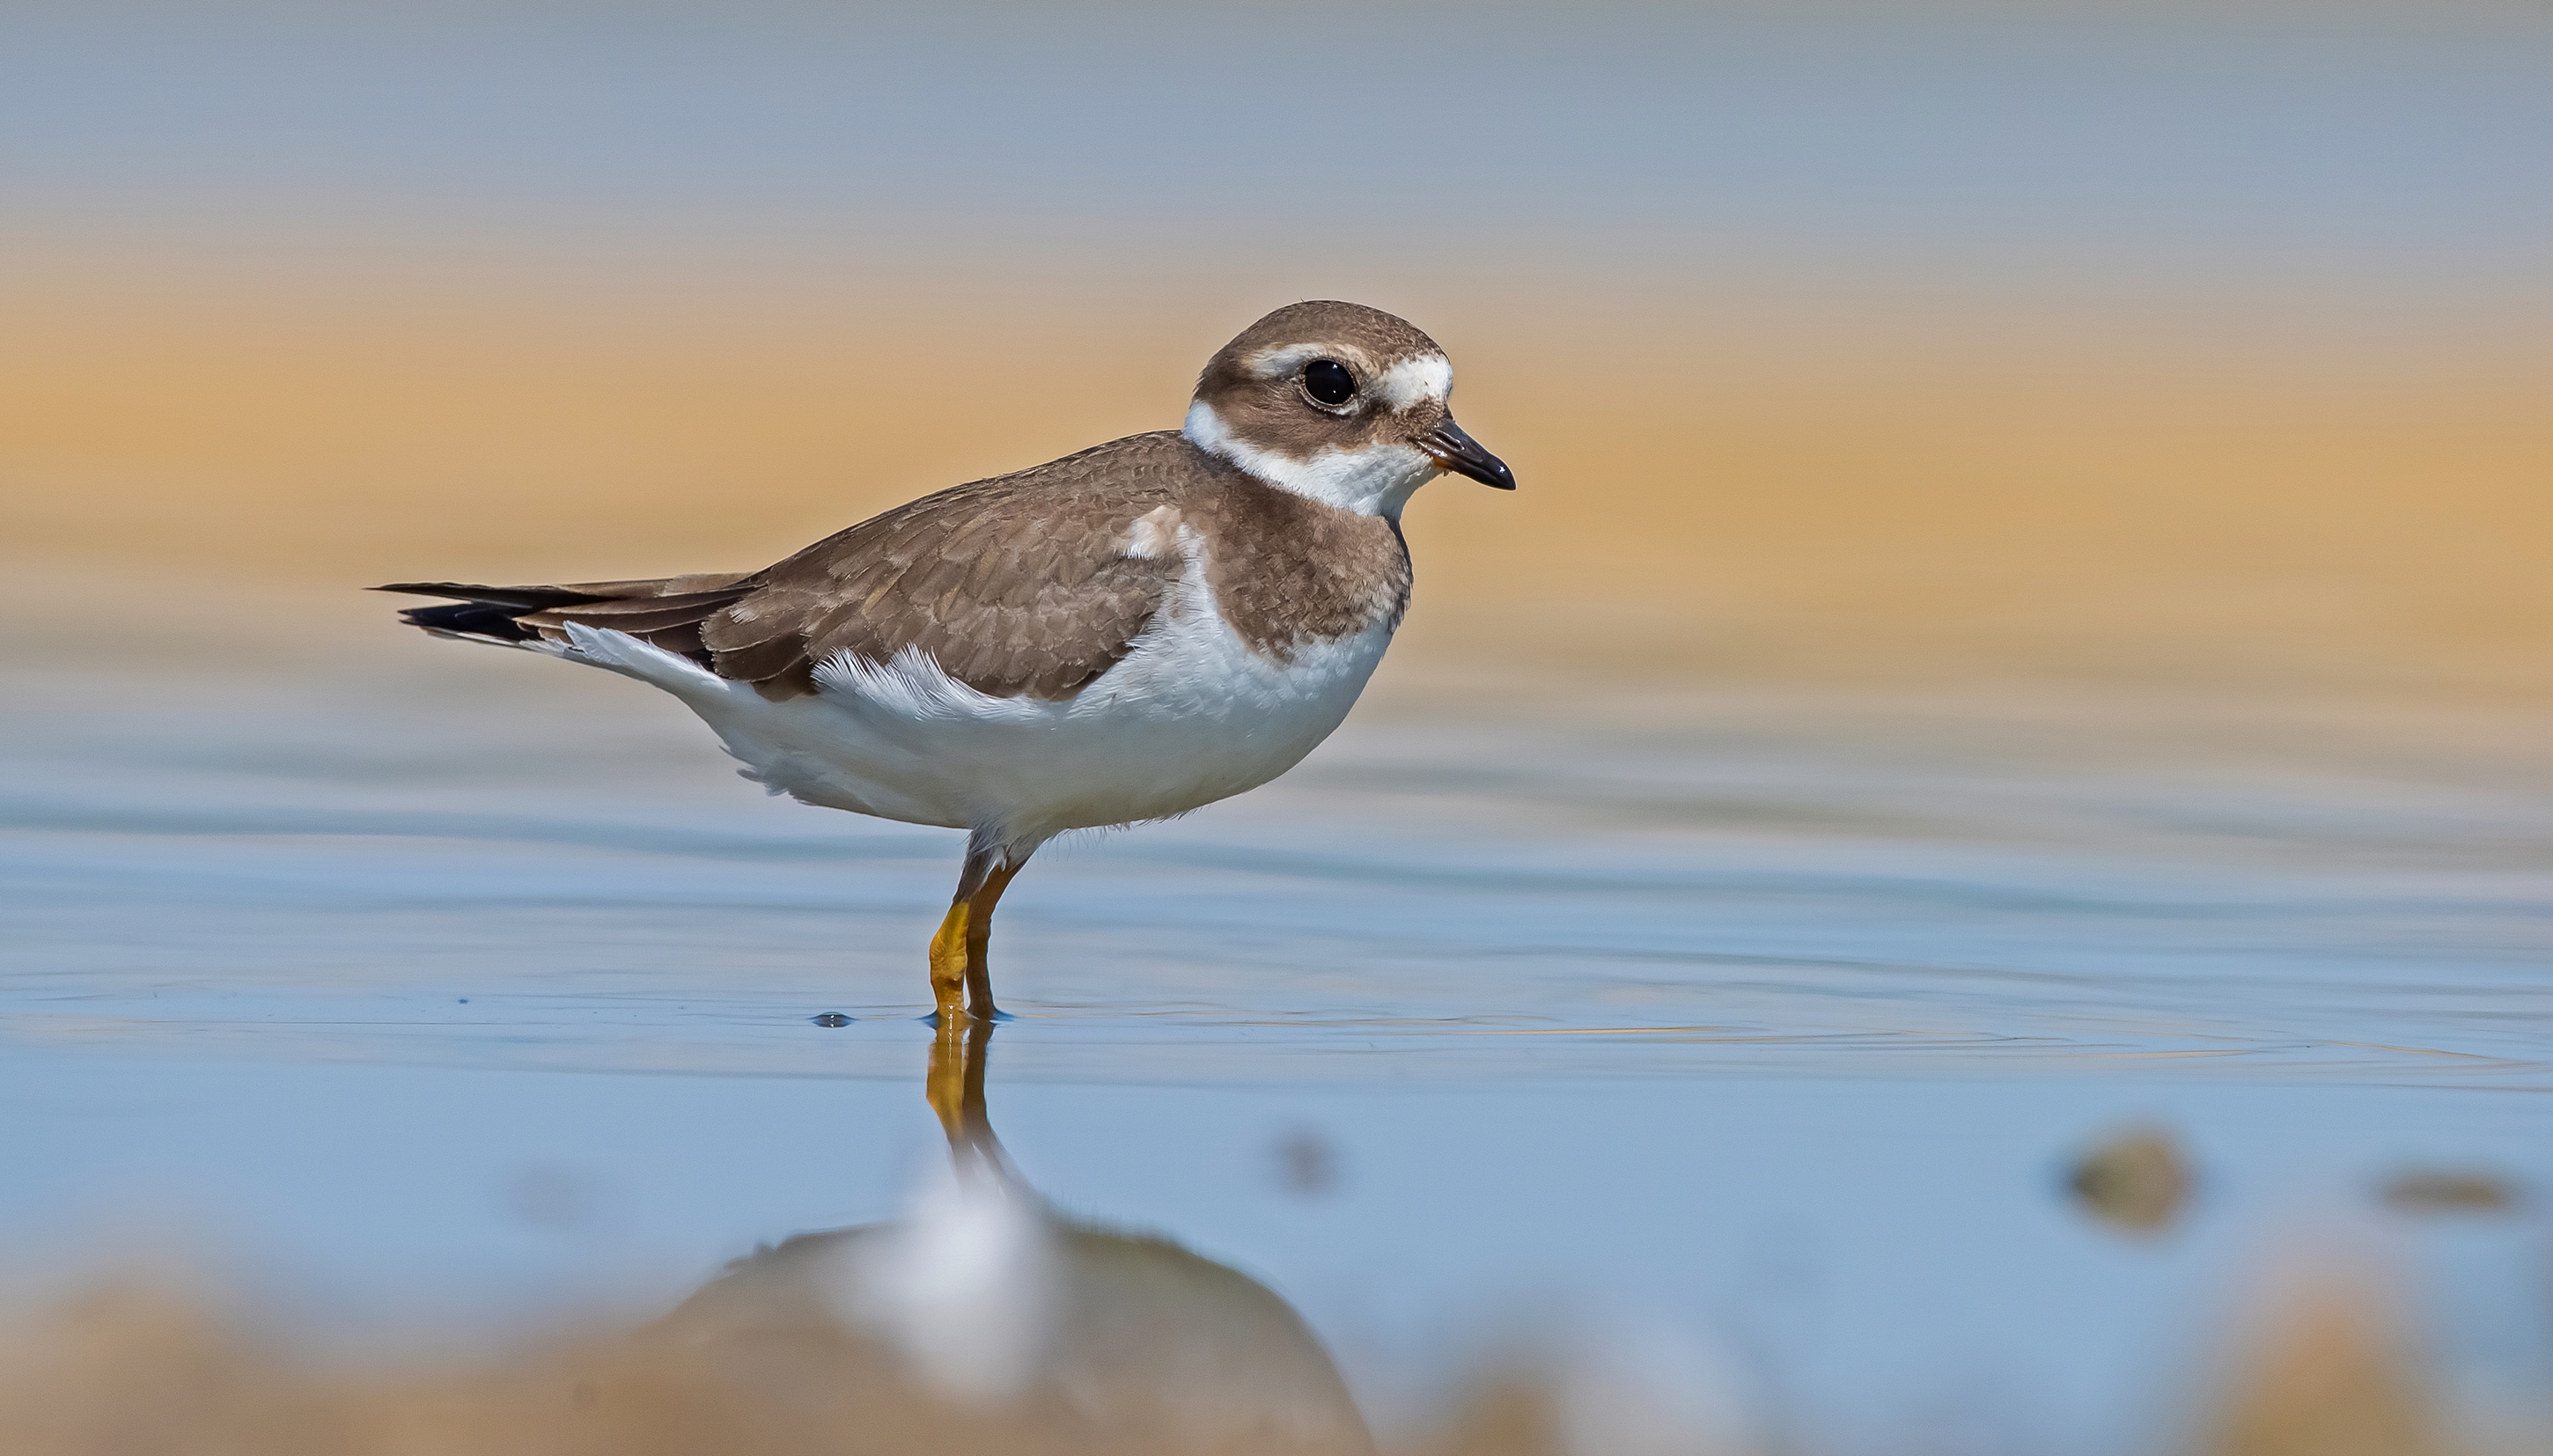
{"x":425,"y":983}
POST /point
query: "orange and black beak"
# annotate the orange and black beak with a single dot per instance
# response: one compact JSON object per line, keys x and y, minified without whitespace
{"x":1458,"y":452}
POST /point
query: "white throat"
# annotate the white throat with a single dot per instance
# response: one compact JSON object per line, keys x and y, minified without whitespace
{"x":1378,"y":480}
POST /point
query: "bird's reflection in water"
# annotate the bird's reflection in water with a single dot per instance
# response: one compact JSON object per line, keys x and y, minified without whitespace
{"x":986,"y":1300}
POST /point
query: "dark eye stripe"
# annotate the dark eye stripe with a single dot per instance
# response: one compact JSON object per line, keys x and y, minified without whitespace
{"x":1329,"y":381}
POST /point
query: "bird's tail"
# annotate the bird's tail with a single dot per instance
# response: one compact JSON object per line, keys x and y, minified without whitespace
{"x":665,"y":613}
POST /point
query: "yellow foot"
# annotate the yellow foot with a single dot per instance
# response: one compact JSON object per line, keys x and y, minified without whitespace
{"x":948,"y":969}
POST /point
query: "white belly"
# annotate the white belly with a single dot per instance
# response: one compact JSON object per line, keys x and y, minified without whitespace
{"x":1190,"y":715}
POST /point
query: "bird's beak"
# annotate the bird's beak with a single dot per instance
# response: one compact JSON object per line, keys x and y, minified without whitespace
{"x":1458,"y":452}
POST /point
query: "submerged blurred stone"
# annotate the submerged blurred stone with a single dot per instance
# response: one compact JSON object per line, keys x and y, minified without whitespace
{"x":2137,"y":1180}
{"x":2434,"y":1191}
{"x":1306,"y":1163}
{"x":553,"y":1197}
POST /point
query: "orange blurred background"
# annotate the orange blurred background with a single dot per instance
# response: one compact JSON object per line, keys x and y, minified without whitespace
{"x":1884,"y":433}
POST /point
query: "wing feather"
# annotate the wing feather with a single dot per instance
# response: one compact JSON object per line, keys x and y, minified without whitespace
{"x":1018,"y":586}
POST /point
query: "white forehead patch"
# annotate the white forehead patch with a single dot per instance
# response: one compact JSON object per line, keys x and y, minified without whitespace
{"x":1414,"y":381}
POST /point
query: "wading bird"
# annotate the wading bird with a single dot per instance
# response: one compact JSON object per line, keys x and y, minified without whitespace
{"x":1123,"y":634}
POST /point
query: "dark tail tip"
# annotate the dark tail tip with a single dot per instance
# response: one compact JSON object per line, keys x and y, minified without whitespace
{"x":470,"y":619}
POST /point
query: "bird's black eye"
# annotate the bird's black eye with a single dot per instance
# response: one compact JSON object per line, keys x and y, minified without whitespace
{"x":1328,"y":380}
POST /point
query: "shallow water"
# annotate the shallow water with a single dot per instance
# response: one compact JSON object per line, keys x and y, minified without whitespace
{"x":417,"y":983}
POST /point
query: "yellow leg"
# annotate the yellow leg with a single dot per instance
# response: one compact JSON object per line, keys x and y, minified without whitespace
{"x":979,"y":936}
{"x":948,"y":970}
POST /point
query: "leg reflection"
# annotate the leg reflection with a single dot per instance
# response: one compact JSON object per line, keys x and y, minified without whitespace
{"x":954,"y":1087}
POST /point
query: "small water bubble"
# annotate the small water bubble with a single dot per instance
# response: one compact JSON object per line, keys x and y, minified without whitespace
{"x":830,"y":1018}
{"x":553,"y":1197}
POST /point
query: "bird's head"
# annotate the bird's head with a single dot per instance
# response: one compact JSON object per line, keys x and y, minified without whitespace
{"x":1343,"y":403}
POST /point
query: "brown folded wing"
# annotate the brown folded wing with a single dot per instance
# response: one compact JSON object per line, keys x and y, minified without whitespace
{"x":1016,"y":585}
